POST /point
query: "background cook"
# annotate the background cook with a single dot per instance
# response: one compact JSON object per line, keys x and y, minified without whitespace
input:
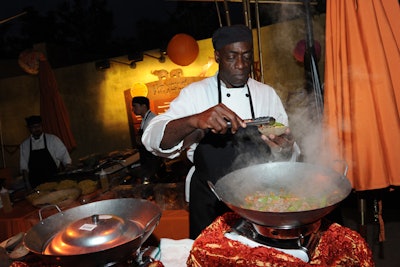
{"x":150,"y":164}
{"x":41,"y":154}
{"x":197,"y":120}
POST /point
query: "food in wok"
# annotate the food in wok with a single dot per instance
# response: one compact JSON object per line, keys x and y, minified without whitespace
{"x":300,"y":179}
{"x":282,"y":201}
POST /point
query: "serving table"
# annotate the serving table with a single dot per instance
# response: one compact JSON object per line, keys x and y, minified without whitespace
{"x":16,"y":221}
{"x":173,"y":224}
{"x":338,"y":244}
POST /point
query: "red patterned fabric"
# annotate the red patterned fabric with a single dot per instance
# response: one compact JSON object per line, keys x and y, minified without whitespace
{"x":52,"y":108}
{"x":338,"y":246}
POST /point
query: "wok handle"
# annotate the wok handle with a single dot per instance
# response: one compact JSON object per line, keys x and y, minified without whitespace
{"x":346,"y":166}
{"x":155,"y":218}
{"x":212,"y":187}
{"x":45,"y":207}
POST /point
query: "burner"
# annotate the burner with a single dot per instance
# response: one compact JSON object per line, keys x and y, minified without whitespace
{"x":303,"y":238}
{"x":287,"y":233}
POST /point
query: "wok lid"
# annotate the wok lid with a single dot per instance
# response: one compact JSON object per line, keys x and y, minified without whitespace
{"x":93,"y":233}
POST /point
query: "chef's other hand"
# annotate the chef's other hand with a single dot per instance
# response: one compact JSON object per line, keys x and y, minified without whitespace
{"x":216,"y":118}
{"x":282,"y":145}
{"x":68,"y":167}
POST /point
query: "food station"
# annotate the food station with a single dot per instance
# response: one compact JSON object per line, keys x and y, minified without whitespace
{"x":136,"y":223}
{"x":125,"y":213}
{"x":277,"y":220}
{"x":97,"y":214}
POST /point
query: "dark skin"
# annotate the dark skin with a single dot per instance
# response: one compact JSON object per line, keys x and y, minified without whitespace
{"x":235,"y":61}
{"x":36,"y":130}
{"x":139,"y":109}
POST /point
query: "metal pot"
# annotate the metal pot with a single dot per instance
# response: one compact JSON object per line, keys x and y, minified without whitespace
{"x":68,"y":238}
{"x":300,"y":179}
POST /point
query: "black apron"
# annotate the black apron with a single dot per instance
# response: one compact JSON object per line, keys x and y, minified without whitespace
{"x":42,"y":167}
{"x":215,"y":156}
{"x":150,"y":164}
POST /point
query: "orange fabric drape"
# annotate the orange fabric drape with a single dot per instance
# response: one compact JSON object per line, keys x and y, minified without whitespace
{"x":362,"y":89}
{"x":52,"y":109}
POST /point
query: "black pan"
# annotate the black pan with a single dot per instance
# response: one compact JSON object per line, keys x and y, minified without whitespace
{"x":300,"y":179}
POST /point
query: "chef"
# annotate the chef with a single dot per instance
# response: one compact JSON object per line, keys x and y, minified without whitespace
{"x":41,"y":154}
{"x":150,"y":164}
{"x":197,"y":122}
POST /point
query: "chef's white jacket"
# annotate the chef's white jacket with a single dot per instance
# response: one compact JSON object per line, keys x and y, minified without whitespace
{"x":56,"y":147}
{"x":200,"y":96}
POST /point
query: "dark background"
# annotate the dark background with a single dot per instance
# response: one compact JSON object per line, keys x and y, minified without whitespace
{"x":77,"y":31}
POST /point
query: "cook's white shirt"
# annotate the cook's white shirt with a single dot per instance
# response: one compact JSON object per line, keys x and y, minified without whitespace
{"x":146,"y":119}
{"x":200,"y":96}
{"x":56,"y":147}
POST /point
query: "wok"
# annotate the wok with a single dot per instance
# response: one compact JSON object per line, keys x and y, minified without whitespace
{"x":142,"y":214}
{"x":300,"y":179}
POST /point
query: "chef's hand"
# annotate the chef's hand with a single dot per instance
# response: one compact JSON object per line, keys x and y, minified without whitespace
{"x":68,"y":167}
{"x":192,"y":129}
{"x":216,"y":118}
{"x":282,"y":145}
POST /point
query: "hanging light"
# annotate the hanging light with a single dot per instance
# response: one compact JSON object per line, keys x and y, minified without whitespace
{"x":105,"y":64}
{"x":102,"y":64}
{"x":161,"y":58}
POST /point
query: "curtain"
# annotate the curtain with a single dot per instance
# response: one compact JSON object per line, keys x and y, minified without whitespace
{"x":52,"y":109}
{"x":362,"y":90}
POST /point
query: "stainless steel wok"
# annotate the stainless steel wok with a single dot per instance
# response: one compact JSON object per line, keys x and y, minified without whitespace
{"x":136,"y":220}
{"x":300,"y":179}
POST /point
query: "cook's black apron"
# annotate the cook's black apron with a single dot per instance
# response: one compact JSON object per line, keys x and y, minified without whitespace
{"x":215,"y":156}
{"x":42,"y":167}
{"x":150,"y":164}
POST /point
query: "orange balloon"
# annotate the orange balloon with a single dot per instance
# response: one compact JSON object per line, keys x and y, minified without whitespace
{"x":182,"y":49}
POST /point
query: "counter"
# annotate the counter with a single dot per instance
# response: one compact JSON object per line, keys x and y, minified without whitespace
{"x":173,"y":224}
{"x":338,"y":246}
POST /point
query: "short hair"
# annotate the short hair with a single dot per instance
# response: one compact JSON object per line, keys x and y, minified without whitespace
{"x":32,"y":120}
{"x":142,"y":100}
{"x":231,"y":34}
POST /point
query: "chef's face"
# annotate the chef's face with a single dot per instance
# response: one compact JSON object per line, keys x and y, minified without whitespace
{"x":36,"y":130}
{"x":138,"y":108}
{"x":235,"y":62}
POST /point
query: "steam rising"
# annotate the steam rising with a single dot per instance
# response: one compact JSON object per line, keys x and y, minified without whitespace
{"x":299,"y":103}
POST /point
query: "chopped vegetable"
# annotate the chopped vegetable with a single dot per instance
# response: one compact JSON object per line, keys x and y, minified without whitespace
{"x":282,"y":202}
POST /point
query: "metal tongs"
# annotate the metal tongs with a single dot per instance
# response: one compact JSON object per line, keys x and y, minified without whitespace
{"x":258,"y":121}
